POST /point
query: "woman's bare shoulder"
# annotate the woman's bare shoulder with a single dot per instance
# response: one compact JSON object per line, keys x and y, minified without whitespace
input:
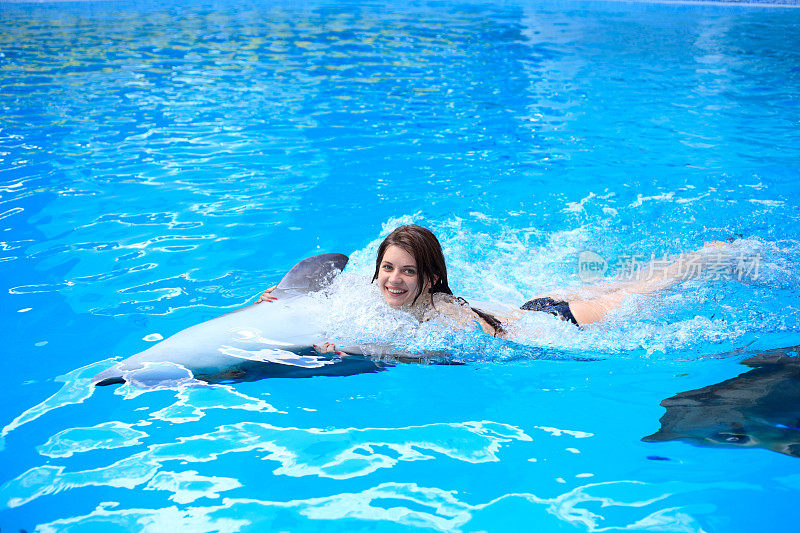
{"x":447,"y":300}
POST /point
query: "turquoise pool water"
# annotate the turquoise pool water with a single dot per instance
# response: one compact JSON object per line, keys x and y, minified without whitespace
{"x":163,"y":163}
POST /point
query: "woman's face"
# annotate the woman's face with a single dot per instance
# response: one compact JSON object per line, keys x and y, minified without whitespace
{"x":398,"y":278}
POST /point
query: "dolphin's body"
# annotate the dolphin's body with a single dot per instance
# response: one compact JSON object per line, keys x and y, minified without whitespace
{"x":272,"y":339}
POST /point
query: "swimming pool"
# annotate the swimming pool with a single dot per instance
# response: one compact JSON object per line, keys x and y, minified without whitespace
{"x":162,"y":163}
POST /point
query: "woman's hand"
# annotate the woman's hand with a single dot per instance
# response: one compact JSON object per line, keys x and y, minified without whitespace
{"x":327,"y":347}
{"x":267,"y":295}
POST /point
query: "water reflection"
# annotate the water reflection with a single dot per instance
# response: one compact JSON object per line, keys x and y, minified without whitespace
{"x":757,"y":409}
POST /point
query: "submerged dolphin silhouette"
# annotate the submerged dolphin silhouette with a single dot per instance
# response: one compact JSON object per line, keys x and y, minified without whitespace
{"x":757,"y":409}
{"x":259,"y":340}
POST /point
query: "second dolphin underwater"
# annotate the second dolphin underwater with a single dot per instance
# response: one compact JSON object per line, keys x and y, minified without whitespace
{"x":259,"y":340}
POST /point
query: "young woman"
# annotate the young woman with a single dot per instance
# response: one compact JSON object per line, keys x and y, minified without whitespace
{"x":411,"y":274}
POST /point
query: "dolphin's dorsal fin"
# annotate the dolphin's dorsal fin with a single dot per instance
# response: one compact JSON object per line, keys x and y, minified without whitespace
{"x":311,"y":274}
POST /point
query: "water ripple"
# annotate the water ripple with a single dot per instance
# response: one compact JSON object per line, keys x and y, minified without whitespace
{"x":412,"y":505}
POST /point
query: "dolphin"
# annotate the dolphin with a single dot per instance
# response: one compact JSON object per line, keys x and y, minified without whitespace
{"x":259,"y":340}
{"x":757,"y":409}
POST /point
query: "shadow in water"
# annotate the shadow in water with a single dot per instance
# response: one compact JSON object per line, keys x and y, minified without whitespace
{"x":256,"y":370}
{"x":757,"y":409}
{"x":323,"y":366}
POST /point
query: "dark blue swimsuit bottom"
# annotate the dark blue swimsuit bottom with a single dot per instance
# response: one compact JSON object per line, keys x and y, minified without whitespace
{"x":554,"y":307}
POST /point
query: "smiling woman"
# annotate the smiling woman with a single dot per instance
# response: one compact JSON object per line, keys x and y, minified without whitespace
{"x":411,"y":274}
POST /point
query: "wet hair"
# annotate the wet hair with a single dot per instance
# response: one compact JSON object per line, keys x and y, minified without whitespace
{"x":424,"y":247}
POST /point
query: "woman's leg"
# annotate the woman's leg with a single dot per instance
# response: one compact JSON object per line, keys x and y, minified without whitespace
{"x":595,"y":309}
{"x":595,"y":303}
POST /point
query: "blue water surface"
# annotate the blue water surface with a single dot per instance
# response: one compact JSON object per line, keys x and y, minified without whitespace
{"x":162,"y":163}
